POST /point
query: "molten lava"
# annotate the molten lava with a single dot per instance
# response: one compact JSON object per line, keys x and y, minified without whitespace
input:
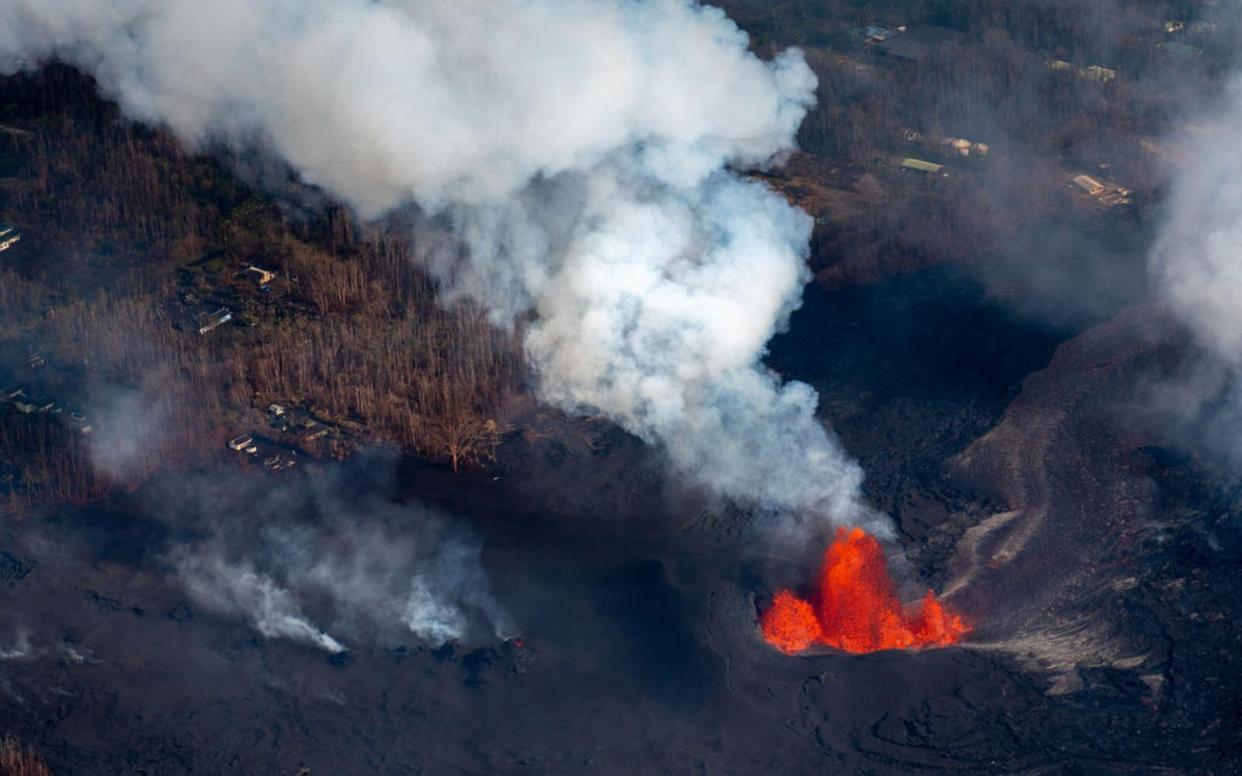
{"x":856,"y":608}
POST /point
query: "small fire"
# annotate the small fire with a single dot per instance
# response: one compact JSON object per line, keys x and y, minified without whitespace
{"x":856,"y":608}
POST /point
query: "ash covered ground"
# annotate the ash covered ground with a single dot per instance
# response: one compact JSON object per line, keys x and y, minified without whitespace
{"x":1106,"y":642}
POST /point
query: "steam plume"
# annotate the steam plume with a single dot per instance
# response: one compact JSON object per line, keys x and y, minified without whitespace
{"x":1197,"y":257}
{"x":20,"y":648}
{"x":580,"y":153}
{"x":369,"y":569}
{"x":273,"y":609}
{"x":1197,"y":261}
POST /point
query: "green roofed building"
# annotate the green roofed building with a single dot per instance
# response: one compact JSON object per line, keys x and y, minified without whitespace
{"x":921,"y":166}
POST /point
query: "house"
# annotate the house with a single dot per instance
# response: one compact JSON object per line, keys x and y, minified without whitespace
{"x":29,"y":405}
{"x":79,"y":420}
{"x":875,"y":33}
{"x":275,"y":410}
{"x":1088,"y":184}
{"x":9,"y":236}
{"x":316,"y":435}
{"x":1093,"y":72}
{"x":918,"y":165}
{"x":1099,"y":74}
{"x":966,"y":147}
{"x":1110,"y":195}
{"x":259,"y":275}
{"x":277,"y":462}
{"x":207,"y":321}
{"x":243,"y":443}
{"x":12,"y":393}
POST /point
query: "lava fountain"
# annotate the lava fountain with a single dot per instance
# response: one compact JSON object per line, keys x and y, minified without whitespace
{"x":856,"y":608}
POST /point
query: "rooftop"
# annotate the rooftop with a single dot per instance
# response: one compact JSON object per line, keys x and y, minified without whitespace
{"x":921,"y":166}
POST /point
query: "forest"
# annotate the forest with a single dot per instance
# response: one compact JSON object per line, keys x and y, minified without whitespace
{"x":127,"y":235}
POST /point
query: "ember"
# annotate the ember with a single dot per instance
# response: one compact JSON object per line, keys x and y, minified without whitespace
{"x":856,"y":608}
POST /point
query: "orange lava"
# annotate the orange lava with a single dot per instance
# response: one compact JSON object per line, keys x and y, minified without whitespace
{"x":790,"y":625}
{"x":856,"y":608}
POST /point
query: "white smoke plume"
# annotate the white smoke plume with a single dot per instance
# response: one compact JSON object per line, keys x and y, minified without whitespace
{"x":325,"y":561}
{"x":235,"y":586}
{"x":1198,"y":256}
{"x":129,"y":427}
{"x":581,"y":153}
{"x":20,"y":647}
{"x":1197,"y":263}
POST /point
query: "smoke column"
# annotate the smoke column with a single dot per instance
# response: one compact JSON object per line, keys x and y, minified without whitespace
{"x":325,"y":560}
{"x":273,"y":610}
{"x":1198,"y":257}
{"x":1197,"y":265}
{"x":580,"y":152}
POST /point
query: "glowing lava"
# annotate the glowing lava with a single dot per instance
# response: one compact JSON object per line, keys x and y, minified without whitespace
{"x":856,"y":608}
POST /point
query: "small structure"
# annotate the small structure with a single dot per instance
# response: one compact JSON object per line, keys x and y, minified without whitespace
{"x":1088,"y":184}
{"x":875,"y":33}
{"x":316,"y":435}
{"x":243,"y":444}
{"x":259,"y":275}
{"x":1098,"y":74}
{"x":918,"y":165}
{"x":35,"y":361}
{"x":207,"y":321}
{"x":79,"y":420}
{"x":9,"y":236}
{"x":275,"y":410}
{"x":1109,"y":195}
{"x":1173,"y":26}
{"x":12,"y":393}
{"x":1095,"y":73}
{"x":29,"y":405}
{"x":277,"y":462}
{"x":966,"y":147}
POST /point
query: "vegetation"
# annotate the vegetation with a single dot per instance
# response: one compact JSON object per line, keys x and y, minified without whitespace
{"x":18,"y":761}
{"x":127,"y":235}
{"x":989,"y":76}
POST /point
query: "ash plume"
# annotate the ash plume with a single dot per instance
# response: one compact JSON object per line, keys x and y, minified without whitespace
{"x":322,"y":561}
{"x":578,"y":158}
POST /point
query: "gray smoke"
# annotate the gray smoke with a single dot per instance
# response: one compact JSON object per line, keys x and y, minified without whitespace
{"x":129,"y":427}
{"x":1198,"y":256}
{"x":1197,"y":265}
{"x":325,"y":561}
{"x":20,"y":648}
{"x":580,"y":152}
{"x":235,"y":586}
